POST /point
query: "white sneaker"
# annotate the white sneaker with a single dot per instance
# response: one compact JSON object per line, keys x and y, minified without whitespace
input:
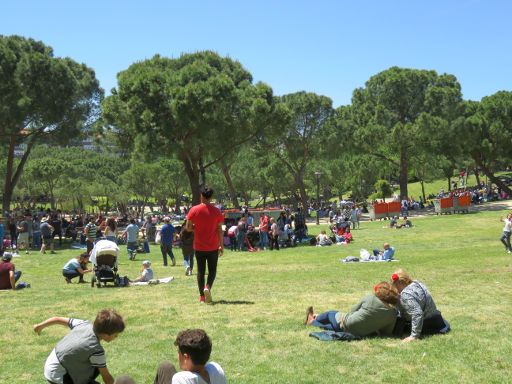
{"x":188,"y":272}
{"x":207,"y":295}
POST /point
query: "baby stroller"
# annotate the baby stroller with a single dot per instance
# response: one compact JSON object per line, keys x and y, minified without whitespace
{"x":104,"y":259}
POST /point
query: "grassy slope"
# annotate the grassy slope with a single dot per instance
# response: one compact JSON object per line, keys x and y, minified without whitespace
{"x":256,"y":323}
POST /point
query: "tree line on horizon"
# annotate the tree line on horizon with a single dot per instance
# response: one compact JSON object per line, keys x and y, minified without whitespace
{"x":172,"y":124}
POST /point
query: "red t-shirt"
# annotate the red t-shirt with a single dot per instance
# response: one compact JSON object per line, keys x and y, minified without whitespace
{"x":206,"y":218}
{"x":5,"y":281}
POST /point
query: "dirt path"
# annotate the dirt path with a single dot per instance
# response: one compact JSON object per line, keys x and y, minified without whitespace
{"x":492,"y":206}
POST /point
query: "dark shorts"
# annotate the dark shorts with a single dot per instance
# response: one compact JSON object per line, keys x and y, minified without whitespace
{"x":47,"y":240}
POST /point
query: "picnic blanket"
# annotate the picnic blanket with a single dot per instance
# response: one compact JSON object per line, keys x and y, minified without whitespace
{"x":165,"y":280}
{"x":353,"y":259}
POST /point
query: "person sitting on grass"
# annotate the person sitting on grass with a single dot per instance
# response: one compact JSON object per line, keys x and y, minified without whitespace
{"x":345,"y":237}
{"x":417,"y":306}
{"x":386,"y":255}
{"x":76,"y":267}
{"x":393,"y":222}
{"x":8,"y":274}
{"x":375,"y":314}
{"x":146,"y":273}
{"x":322,"y":239}
{"x":78,"y":357}
{"x":405,"y":224}
{"x":194,"y":349}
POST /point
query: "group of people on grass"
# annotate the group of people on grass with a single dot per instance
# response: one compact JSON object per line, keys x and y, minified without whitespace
{"x":246,"y":233}
{"x":401,"y":305}
{"x":79,"y":357}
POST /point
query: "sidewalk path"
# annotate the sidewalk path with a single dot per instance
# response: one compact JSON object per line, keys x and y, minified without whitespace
{"x":492,"y":206}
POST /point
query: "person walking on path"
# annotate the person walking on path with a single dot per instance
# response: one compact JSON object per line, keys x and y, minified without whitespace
{"x":507,"y":230}
{"x":167,"y":234}
{"x":206,"y":221}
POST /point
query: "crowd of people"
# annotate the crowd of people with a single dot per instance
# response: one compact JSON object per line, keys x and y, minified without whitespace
{"x":398,"y":307}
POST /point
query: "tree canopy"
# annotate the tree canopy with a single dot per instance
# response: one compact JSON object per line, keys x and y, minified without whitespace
{"x":390,"y":114}
{"x":199,"y":107}
{"x":42,"y":98}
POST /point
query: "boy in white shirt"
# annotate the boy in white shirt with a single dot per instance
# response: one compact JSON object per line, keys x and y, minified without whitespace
{"x":194,"y":349}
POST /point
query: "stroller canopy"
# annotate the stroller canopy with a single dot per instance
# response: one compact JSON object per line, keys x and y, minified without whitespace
{"x":103,"y":247}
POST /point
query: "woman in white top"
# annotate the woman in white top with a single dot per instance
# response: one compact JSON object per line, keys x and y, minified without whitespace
{"x":111,"y":229}
{"x":507,"y":230}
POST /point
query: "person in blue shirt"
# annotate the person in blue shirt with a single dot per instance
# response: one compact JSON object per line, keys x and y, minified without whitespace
{"x":76,"y":267}
{"x":167,"y":234}
{"x":131,"y":233}
{"x":387,"y":254}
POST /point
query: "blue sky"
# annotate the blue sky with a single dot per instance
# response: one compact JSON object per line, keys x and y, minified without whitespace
{"x":327,"y":47}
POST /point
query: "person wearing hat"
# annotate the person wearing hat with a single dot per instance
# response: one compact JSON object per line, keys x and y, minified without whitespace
{"x":8,"y":274}
{"x":146,"y":273}
{"x":167,"y":234}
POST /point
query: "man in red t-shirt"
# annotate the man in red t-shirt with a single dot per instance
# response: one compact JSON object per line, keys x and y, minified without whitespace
{"x":206,"y":222}
{"x":8,"y":274}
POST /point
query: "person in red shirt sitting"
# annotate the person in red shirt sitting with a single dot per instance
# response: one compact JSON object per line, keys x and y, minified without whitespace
{"x":206,"y":221}
{"x":8,"y":274}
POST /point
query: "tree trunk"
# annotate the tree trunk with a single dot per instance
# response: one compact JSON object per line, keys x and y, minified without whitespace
{"x":423,"y":189}
{"x":303,"y":194}
{"x":192,"y":171}
{"x":11,"y":176}
{"x":202,"y":172}
{"x":404,"y":168}
{"x":177,"y":206}
{"x":477,"y":176}
{"x":231,"y":190}
{"x":491,"y":176}
{"x":449,"y":183}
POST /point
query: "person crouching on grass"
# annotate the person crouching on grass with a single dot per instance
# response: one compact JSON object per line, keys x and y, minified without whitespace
{"x":76,"y":267}
{"x":78,"y":358}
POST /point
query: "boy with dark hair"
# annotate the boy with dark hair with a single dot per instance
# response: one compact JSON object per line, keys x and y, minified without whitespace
{"x":194,"y":348}
{"x":78,"y":358}
{"x":206,"y":221}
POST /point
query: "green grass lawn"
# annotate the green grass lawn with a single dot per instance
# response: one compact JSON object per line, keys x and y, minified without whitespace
{"x":256,"y":323}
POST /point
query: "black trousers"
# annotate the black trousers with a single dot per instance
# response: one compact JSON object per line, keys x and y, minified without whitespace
{"x":202,"y":259}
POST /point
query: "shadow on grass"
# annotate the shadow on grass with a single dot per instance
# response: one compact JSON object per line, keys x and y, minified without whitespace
{"x":233,"y":302}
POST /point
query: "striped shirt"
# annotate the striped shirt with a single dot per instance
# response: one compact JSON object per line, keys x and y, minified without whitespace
{"x":91,"y":231}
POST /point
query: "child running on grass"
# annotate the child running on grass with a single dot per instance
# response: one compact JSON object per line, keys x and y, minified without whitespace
{"x":78,"y":358}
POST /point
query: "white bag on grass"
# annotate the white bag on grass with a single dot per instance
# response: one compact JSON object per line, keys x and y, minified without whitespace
{"x":364,"y":254}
